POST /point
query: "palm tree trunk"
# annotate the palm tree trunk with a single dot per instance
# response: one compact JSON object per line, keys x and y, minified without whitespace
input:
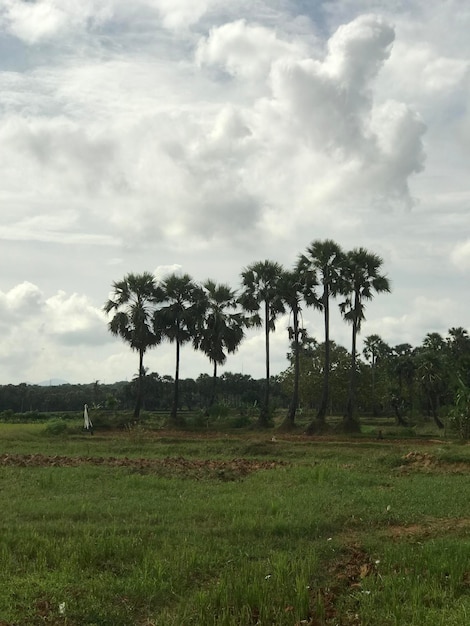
{"x":350,"y":424}
{"x":318,"y":424}
{"x":374,"y":402}
{"x":264,"y":413}
{"x":321,"y":415}
{"x":174,"y":409}
{"x":289,"y":421}
{"x":214,"y":386}
{"x":138,"y":402}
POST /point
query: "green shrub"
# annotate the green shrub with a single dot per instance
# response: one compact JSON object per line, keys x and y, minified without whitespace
{"x":7,"y":415}
{"x":240,"y":421}
{"x":219,"y":410}
{"x":56,"y":427}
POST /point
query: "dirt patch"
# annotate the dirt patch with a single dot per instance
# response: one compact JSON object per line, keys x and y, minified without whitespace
{"x":169,"y":466}
{"x":423,"y":461}
{"x":347,"y":574}
{"x":430,"y":528}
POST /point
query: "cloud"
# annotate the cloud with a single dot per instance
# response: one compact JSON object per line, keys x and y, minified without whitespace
{"x":35,"y":21}
{"x":56,"y":150}
{"x":34,"y":327}
{"x":149,"y":165}
{"x":22,"y":301}
{"x":162,"y":271}
{"x":180,"y":13}
{"x":432,"y":314}
{"x":73,"y":318}
{"x":244,"y":50}
{"x":460,"y":255}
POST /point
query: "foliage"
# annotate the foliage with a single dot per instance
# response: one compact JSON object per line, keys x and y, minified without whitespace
{"x":56,"y":427}
{"x":291,"y":289}
{"x":459,"y":417}
{"x":220,"y":328}
{"x":323,"y":265}
{"x":261,"y":282}
{"x":133,"y":303}
{"x":177,"y":319}
{"x":361,"y":279}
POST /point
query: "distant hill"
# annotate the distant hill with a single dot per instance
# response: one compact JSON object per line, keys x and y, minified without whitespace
{"x":53,"y":382}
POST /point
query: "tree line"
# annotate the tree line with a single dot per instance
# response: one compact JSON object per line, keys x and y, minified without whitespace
{"x":430,"y":380}
{"x":241,"y":392}
{"x":214,"y":317}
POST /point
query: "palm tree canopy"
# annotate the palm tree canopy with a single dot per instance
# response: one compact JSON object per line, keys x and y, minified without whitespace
{"x":291,"y":287}
{"x":361,"y":278}
{"x":321,"y":265}
{"x":260,"y":284}
{"x":221,"y":328}
{"x":183,"y":302}
{"x":375,"y":348}
{"x":134,"y":299}
{"x":434,"y":341}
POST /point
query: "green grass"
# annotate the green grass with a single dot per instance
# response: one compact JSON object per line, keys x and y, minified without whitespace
{"x":101,"y":545}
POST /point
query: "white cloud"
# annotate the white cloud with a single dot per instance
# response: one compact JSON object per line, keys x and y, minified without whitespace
{"x":44,"y":19}
{"x":424,"y":315}
{"x":162,"y":271}
{"x":37,"y":329}
{"x":24,"y":300}
{"x":244,"y":50}
{"x":180,"y":13}
{"x":460,"y":255}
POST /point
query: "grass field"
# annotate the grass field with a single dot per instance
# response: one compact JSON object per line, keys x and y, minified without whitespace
{"x":176,"y":529}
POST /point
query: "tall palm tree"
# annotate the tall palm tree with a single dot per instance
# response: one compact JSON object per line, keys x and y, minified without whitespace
{"x":260,"y":283}
{"x":375,"y":349}
{"x":435,"y":342}
{"x":134,"y":299}
{"x":220,"y":329}
{"x":291,"y":290}
{"x":361,"y":278}
{"x":322,"y":263}
{"x":458,"y":344}
{"x":176,"y":320}
{"x":433,"y":375}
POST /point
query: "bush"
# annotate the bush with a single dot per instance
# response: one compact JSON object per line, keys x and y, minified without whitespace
{"x":7,"y":415}
{"x":219,"y":410}
{"x":240,"y":421}
{"x":56,"y":427}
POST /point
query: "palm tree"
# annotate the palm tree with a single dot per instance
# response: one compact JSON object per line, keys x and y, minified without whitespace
{"x":260,"y":285}
{"x":322,"y":263}
{"x":458,"y":343}
{"x":402,"y":367}
{"x":375,"y":350}
{"x":433,"y":375}
{"x":176,"y":320}
{"x":134,"y":299}
{"x":434,"y":342}
{"x":220,"y":329}
{"x":361,"y":278}
{"x":291,"y":290}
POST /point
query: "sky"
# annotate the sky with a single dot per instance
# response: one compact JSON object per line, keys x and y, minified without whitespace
{"x":200,"y":136}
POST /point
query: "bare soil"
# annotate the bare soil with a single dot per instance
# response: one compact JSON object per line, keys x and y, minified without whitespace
{"x":423,"y":461}
{"x":169,"y":466}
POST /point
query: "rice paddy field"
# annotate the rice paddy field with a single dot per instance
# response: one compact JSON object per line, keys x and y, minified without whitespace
{"x":178,"y":529}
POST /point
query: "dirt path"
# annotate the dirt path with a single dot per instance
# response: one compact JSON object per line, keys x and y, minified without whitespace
{"x":169,"y":466}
